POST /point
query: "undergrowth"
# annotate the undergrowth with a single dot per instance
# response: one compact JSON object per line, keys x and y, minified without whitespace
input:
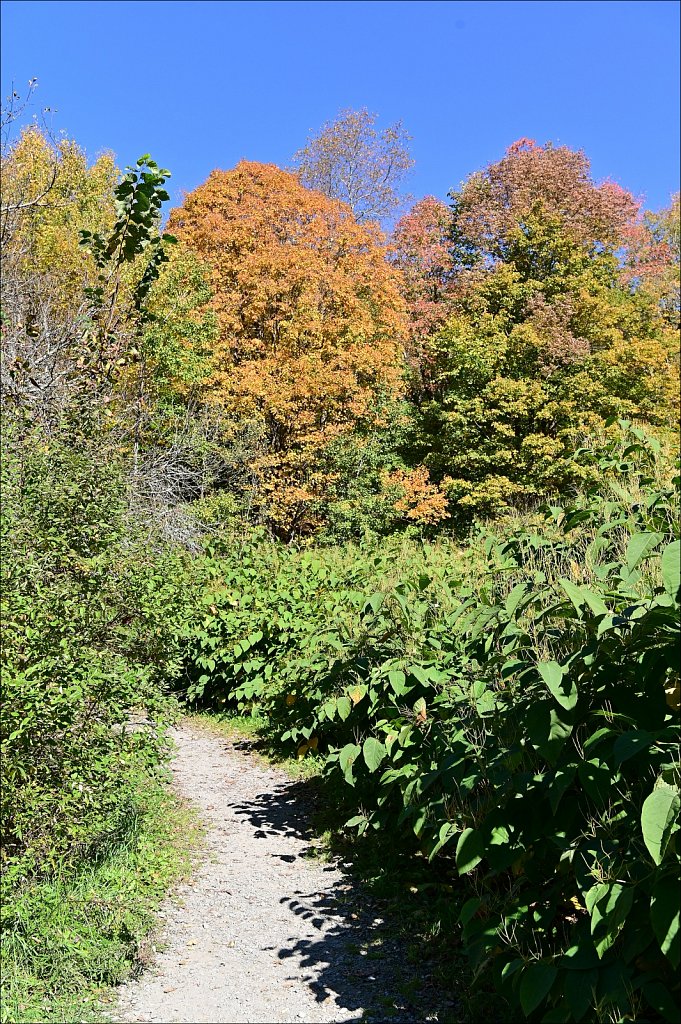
{"x":70,"y":937}
{"x":510,"y":735}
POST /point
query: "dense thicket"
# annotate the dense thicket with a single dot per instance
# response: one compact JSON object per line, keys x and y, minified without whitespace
{"x":465,"y":435}
{"x":91,"y":609}
{"x":512,"y":711}
{"x":87,"y":611}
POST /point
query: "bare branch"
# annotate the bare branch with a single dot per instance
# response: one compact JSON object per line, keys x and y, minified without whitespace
{"x":351,"y":161}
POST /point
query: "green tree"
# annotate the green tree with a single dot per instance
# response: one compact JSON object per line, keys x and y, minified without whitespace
{"x":545,"y":339}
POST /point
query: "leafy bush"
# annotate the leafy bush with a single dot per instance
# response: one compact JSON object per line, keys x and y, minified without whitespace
{"x":89,"y":616}
{"x":520,"y":723}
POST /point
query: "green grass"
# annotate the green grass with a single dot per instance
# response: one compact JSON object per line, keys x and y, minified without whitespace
{"x":68,"y":939}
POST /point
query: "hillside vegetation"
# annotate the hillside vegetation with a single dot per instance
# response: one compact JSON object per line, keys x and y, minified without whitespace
{"x":409,"y":500}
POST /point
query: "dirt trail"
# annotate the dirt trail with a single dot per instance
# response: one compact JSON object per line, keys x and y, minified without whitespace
{"x":263,"y":934}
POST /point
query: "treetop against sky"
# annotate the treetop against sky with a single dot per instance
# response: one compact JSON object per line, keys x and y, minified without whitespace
{"x":205,"y":84}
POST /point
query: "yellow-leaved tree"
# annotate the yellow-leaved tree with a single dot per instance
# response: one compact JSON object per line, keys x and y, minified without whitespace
{"x":49,"y":194}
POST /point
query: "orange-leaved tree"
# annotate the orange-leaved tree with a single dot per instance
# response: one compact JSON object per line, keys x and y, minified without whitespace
{"x":311,"y":323}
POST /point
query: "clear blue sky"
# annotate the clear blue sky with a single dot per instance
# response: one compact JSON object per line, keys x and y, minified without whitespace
{"x":200,"y":85}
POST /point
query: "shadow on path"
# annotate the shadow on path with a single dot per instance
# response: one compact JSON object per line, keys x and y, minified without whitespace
{"x":356,"y":958}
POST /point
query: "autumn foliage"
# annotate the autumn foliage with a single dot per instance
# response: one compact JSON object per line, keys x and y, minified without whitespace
{"x":534,"y":306}
{"x":311,"y":322}
{"x":653,"y":256}
{"x":541,"y":303}
{"x":551,"y":182}
{"x":423,"y":253}
{"x":419,"y":501}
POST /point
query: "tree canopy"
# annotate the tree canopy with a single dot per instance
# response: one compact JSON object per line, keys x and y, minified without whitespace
{"x":311,"y":321}
{"x":351,"y":160}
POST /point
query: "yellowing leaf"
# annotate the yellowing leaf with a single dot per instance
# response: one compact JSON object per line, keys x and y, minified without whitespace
{"x":420,"y":711}
{"x":673,"y":695}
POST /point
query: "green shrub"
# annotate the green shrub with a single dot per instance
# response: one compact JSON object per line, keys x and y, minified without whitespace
{"x":520,"y":723}
{"x":89,"y":615}
{"x":68,"y":936}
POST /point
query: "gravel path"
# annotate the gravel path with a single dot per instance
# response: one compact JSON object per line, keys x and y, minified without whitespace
{"x":264,"y":934}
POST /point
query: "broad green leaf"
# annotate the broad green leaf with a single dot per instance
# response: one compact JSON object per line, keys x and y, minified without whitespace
{"x":639,"y":546}
{"x":595,"y":603}
{"x":579,"y":988}
{"x":420,"y":820}
{"x":581,"y":596}
{"x":631,"y":743}
{"x":420,"y":673}
{"x":564,"y":690}
{"x":470,"y":909}
{"x":446,"y":832}
{"x":515,"y":597}
{"x":328,"y":709}
{"x":420,"y":710}
{"x":375,"y":603}
{"x":671,"y":568}
{"x":546,"y":729}
{"x":609,"y":906}
{"x":597,"y":780}
{"x":344,"y":707}
{"x":664,"y":916}
{"x":596,"y":739}
{"x":390,"y":739}
{"x":511,"y":968}
{"x":579,"y":958}
{"x":397,"y":680}
{"x":374,"y":752}
{"x":660,"y":811}
{"x":561,"y":781}
{"x":347,"y":758}
{"x":469,"y":850}
{"x":558,"y":733}
{"x":658,"y":996}
{"x":512,"y":667}
{"x":500,"y":836}
{"x":573,"y":592}
{"x":535,"y":984}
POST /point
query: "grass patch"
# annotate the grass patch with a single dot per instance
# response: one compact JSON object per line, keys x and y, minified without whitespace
{"x":68,"y":939}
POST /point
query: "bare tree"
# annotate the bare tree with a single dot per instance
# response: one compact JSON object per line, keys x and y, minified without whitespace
{"x":12,"y":115}
{"x":352,"y":161}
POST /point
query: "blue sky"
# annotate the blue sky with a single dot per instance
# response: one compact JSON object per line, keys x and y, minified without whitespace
{"x":200,"y":85}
